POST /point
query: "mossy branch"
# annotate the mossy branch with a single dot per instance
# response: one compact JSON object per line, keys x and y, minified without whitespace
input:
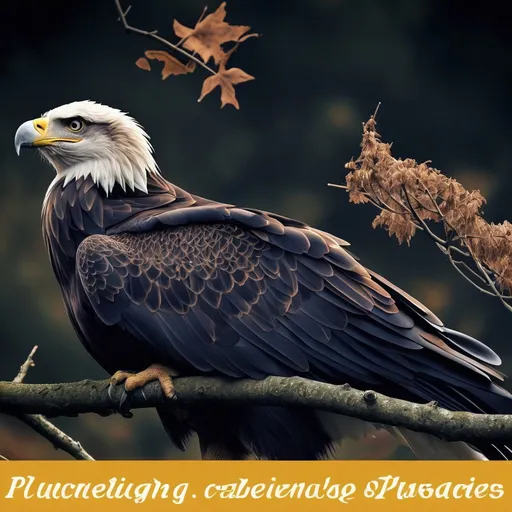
{"x":71,"y":399}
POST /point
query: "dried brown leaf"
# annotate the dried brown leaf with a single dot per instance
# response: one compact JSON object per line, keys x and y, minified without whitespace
{"x":226,"y":79}
{"x":172,"y":66}
{"x":210,"y":33}
{"x":396,"y":224}
{"x":143,"y":63}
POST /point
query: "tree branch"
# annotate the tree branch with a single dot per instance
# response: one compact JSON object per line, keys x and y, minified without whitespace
{"x":87,"y":396}
{"x":42,"y":426}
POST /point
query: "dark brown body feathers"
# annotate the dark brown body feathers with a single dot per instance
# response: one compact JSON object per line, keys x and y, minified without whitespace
{"x":167,"y":277}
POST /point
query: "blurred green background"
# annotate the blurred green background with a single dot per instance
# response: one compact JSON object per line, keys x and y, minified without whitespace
{"x":442,"y":70}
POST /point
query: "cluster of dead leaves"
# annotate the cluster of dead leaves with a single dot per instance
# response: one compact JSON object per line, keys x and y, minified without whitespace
{"x":409,"y":193}
{"x":205,"y":42}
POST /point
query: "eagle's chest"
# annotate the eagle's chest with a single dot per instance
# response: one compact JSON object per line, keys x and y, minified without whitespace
{"x":71,"y":214}
{"x":112,"y":347}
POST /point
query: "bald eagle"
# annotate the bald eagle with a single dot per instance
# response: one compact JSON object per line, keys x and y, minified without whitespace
{"x":158,"y":282}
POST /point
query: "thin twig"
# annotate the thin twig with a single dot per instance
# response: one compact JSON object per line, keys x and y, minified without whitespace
{"x":45,"y":428}
{"x":458,"y":250}
{"x":479,"y":237}
{"x":384,"y":208}
{"x":128,"y":9}
{"x":29,"y":363}
{"x":183,"y":39}
{"x":92,"y":396}
{"x":469,"y":269}
{"x":455,"y":265}
{"x":423,"y":224}
{"x":153,"y":35}
{"x":374,"y":117}
{"x":491,"y":272}
{"x":490,"y":282}
{"x":3,"y":458}
{"x":436,"y":206}
{"x":398,"y":202}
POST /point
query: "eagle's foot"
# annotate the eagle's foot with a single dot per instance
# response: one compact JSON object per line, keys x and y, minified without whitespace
{"x":157,"y":372}
{"x":133,"y":381}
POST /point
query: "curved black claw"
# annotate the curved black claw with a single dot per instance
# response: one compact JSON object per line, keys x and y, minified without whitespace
{"x":125,"y":405}
{"x":111,"y":388}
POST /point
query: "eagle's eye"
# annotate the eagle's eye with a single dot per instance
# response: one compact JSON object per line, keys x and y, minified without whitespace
{"x":75,"y":125}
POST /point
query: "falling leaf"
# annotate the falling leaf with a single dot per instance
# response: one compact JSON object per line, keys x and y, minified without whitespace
{"x":172,"y":66}
{"x":207,"y":36}
{"x":226,"y":80}
{"x":143,"y":63}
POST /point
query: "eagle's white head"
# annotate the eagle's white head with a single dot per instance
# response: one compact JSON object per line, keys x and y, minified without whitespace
{"x":85,"y":138}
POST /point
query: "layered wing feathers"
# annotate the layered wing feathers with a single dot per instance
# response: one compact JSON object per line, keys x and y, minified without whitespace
{"x":243,"y":293}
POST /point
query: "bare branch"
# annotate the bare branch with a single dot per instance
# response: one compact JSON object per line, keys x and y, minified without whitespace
{"x":88,"y":396}
{"x":45,"y":428}
{"x":57,"y":437}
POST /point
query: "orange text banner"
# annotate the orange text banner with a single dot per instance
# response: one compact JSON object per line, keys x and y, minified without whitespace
{"x":298,"y":486}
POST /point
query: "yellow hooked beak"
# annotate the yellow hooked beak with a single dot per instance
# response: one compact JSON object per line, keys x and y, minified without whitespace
{"x":33,"y":134}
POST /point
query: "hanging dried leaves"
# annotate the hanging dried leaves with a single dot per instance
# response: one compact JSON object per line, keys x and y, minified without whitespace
{"x":410,"y":195}
{"x":198,"y":45}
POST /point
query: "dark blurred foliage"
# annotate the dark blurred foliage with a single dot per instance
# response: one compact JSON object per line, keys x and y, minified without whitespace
{"x":442,"y":70}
